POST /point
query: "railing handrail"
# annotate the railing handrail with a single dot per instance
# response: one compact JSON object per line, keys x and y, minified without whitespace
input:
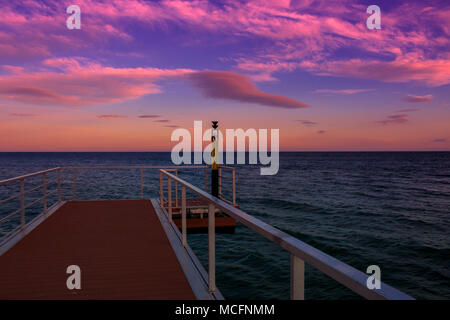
{"x":26,"y":176}
{"x":136,"y":167}
{"x":350,"y":277}
{"x":29,"y":175}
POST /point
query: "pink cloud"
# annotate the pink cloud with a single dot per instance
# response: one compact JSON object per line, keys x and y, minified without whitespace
{"x":416,"y":99}
{"x":12,"y":69}
{"x":307,"y":122}
{"x":147,"y":116}
{"x":408,"y":110}
{"x":431,"y":72}
{"x":111,"y":116}
{"x":342,"y":91}
{"x":81,"y":83}
{"x":395,"y":119}
{"x":304,"y":34}
{"x":237,"y":87}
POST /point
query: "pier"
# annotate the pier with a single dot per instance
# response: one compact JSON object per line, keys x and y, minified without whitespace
{"x":138,"y":248}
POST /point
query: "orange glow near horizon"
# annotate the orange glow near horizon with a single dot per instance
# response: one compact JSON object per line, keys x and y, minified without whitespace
{"x":67,"y":130}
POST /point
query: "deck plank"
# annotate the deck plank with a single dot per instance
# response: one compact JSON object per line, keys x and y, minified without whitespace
{"x":120,"y":247}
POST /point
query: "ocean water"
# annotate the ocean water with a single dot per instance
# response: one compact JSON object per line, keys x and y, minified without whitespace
{"x":391,"y":209}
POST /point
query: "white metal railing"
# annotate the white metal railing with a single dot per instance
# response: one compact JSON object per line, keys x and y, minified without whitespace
{"x":21,"y":196}
{"x":167,"y":200}
{"x":74,"y":186}
{"x":300,"y":252}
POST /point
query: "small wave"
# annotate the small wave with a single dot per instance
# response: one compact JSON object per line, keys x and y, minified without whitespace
{"x":292,"y":205}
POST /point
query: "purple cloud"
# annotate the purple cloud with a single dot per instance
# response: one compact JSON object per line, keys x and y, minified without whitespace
{"x":237,"y":87}
{"x":407,"y":110}
{"x":395,"y":119}
{"x":111,"y":116}
{"x":148,"y":116}
{"x":307,"y":122}
{"x":23,"y":115}
{"x":342,"y":91}
{"x":416,"y":99}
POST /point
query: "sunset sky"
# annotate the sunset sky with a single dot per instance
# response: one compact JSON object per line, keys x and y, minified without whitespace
{"x":139,"y":69}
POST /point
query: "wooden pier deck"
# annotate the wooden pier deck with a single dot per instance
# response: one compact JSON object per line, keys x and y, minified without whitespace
{"x":120,"y":246}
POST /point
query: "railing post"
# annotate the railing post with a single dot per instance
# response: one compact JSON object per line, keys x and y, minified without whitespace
{"x":44,"y":199}
{"x":59,"y":185}
{"x":176,"y":189}
{"x":297,"y":278}
{"x":161,"y":196}
{"x":183,"y":215}
{"x":74,"y":184}
{"x":211,"y":247}
{"x":234,"y":186}
{"x":22,"y":204}
{"x":169,"y":197}
{"x":142,"y":183}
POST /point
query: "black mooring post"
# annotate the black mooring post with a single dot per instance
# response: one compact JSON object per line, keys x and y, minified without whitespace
{"x":214,"y":161}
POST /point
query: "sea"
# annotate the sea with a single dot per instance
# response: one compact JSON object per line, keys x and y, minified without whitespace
{"x":390,"y":209}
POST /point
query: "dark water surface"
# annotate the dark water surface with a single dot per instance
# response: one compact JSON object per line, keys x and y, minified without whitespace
{"x":384,"y":208}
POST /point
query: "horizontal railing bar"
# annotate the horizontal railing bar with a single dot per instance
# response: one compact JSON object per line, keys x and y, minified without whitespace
{"x":99,"y":167}
{"x":51,"y":192}
{"x":136,"y":167}
{"x":27,"y":176}
{"x":52,"y":181}
{"x":40,"y":186}
{"x":9,"y":216}
{"x":34,"y":202}
{"x":334,"y":268}
{"x":227,"y":167}
{"x":10,"y":198}
{"x":33,"y":189}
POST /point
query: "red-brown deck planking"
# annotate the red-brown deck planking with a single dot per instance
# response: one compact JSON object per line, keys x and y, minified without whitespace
{"x":120,"y":247}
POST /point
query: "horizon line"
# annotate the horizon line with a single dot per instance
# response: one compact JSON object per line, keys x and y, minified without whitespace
{"x":281,"y":151}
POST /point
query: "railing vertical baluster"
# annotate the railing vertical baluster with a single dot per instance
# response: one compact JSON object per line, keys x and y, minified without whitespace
{"x":22,"y":203}
{"x":176,"y":189}
{"x":161,"y":196}
{"x":142,"y":183}
{"x":74,"y":184}
{"x":297,"y":278}
{"x":169,"y":197}
{"x":59,"y":185}
{"x":211,"y":247}
{"x":234,"y":186}
{"x":44,"y":199}
{"x":183,"y":215}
